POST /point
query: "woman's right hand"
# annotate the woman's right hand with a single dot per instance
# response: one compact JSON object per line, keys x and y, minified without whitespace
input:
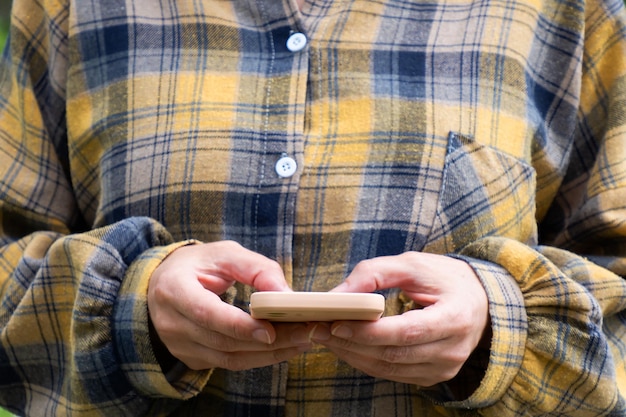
{"x":202,"y":331}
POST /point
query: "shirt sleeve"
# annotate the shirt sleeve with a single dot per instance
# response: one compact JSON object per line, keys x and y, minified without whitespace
{"x":558,"y":309}
{"x":74,"y":330}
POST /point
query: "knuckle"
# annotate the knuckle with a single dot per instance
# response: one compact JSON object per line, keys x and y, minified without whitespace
{"x":387,"y":369}
{"x":452,"y":362}
{"x":228,"y":244}
{"x":160,"y":295}
{"x":395,"y":354}
{"x":363,"y":266}
{"x":460,"y":355}
{"x":380,"y":369}
{"x":366,"y":267}
{"x":413,"y":334}
{"x":231,"y":362}
{"x":408,"y":256}
{"x":199,"y":314}
{"x":274,"y":266}
{"x":344,"y":343}
{"x":464,"y":323}
{"x":447,"y":374}
{"x":219,"y":342}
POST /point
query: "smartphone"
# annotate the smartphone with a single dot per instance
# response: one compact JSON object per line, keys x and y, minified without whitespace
{"x":316,"y":306}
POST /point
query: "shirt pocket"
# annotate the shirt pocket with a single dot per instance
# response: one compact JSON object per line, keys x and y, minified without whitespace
{"x":485,"y":192}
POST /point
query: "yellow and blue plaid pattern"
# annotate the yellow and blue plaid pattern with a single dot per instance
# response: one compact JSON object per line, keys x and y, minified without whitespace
{"x":491,"y":130}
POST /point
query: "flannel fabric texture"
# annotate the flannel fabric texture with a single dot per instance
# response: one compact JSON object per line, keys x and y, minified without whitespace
{"x":489,"y":130}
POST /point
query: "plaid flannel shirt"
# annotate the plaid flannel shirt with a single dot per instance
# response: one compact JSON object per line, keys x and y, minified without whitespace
{"x":491,"y":130}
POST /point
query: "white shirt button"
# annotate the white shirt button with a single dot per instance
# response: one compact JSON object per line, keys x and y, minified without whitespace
{"x":296,"y":42}
{"x":286,"y":167}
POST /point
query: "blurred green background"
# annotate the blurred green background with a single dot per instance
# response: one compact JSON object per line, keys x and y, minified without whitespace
{"x":5,"y":8}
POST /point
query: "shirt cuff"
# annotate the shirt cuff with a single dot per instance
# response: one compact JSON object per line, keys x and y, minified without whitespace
{"x":132,"y":334}
{"x":509,"y":328}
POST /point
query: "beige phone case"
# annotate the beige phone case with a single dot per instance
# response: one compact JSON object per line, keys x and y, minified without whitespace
{"x":316,"y":306}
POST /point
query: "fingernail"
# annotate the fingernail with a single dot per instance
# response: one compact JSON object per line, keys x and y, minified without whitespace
{"x":262,"y":336}
{"x":342,"y":331}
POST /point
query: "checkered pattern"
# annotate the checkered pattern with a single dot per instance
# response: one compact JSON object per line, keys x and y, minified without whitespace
{"x":490,"y":130}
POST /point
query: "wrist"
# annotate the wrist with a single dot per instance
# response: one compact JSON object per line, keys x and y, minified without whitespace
{"x":166,"y":360}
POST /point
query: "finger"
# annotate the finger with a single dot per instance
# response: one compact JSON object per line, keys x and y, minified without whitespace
{"x":179,"y":332}
{"x":241,"y":361}
{"x":210,"y":313}
{"x":423,"y":374}
{"x":287,"y":336}
{"x":230,"y":261}
{"x":420,"y":275}
{"x":191,"y":344}
{"x":444,"y":351}
{"x":378,"y":273}
{"x":199,"y":357}
{"x":411,"y":328}
{"x":225,"y":327}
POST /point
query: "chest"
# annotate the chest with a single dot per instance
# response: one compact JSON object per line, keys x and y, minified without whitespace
{"x":406,"y":125}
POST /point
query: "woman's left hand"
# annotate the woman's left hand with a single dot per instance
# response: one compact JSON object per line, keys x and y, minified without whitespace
{"x":423,"y":346}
